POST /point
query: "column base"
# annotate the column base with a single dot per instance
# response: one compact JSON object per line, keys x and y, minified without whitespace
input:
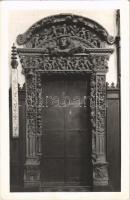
{"x":32,"y":173}
{"x":100,"y":175}
{"x":103,"y":188}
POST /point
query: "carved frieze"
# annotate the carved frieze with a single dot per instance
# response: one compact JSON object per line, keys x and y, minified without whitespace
{"x":61,"y":36}
{"x":65,"y":63}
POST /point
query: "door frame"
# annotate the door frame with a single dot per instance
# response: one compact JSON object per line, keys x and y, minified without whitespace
{"x":70,"y":55}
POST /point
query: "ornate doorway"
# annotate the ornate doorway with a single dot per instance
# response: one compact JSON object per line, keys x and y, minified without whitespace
{"x":66,"y":46}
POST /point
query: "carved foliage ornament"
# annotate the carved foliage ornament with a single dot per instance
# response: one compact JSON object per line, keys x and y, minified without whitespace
{"x":98,"y":112}
{"x":73,"y":26}
{"x":75,"y":63}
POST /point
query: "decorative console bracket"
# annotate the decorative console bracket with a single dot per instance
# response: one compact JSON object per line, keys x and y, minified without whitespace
{"x":65,"y":44}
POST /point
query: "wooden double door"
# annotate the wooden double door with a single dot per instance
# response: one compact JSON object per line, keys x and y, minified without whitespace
{"x":66,"y":140}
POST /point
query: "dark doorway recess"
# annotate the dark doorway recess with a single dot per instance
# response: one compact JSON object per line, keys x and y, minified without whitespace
{"x":66,"y":139}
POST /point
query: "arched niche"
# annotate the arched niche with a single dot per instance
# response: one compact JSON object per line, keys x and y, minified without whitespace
{"x":65,"y":44}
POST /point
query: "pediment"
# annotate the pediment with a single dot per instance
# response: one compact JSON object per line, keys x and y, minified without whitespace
{"x":54,"y":29}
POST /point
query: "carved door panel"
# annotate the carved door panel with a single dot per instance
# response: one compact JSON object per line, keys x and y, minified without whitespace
{"x":66,"y":142}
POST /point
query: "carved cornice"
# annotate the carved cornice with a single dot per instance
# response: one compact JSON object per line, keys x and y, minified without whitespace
{"x":91,"y":61}
{"x":63,"y":26}
{"x":82,"y":52}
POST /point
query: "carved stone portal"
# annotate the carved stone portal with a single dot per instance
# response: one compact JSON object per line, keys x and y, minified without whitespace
{"x":65,"y":44}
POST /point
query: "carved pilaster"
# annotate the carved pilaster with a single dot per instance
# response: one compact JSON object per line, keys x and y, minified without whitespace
{"x":32,"y":173}
{"x":39,"y":115}
{"x":93,"y":113}
{"x":98,"y":116}
{"x":30,"y":113}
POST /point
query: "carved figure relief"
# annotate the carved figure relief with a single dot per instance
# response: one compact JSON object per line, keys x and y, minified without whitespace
{"x":63,"y":63}
{"x":62,"y":25}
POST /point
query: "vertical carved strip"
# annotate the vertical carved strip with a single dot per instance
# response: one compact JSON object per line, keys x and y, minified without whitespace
{"x":31,"y":173}
{"x":100,"y":166}
{"x":15,"y":106}
{"x":39,"y":114}
{"x":93,"y":113}
{"x":30,"y":114}
{"x":101,"y":115}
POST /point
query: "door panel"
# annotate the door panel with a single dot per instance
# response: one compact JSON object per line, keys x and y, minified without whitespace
{"x":77,"y":171}
{"x":52,"y":170}
{"x":76,"y":144}
{"x":53,"y":144}
{"x":53,"y":118}
{"x":66,"y":137}
{"x":76,"y":118}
